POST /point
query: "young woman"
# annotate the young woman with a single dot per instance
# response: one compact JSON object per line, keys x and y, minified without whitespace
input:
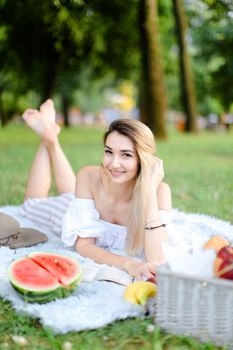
{"x":122,"y":205}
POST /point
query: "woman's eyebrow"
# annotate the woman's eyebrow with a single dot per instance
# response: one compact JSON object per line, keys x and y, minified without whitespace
{"x":122,"y":150}
{"x":126,"y":150}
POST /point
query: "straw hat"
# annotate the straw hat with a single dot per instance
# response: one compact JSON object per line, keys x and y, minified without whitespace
{"x":13,"y":236}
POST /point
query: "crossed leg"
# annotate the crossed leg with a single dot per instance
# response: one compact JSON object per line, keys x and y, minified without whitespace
{"x":49,"y":156}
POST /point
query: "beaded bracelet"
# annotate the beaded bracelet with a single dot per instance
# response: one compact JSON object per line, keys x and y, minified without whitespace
{"x":154,"y":227}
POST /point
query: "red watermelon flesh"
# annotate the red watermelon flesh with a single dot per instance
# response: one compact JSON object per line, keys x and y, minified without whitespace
{"x":26,"y":274}
{"x":64,"y":268}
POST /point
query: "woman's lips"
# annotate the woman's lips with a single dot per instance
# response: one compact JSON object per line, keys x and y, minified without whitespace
{"x":116,"y":173}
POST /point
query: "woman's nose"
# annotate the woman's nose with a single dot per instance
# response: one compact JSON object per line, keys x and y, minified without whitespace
{"x":115,"y":161}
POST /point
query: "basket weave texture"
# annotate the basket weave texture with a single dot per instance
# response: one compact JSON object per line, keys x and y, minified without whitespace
{"x":195,"y":307}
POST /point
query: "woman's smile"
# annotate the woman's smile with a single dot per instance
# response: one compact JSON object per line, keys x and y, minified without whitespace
{"x":117,"y":173}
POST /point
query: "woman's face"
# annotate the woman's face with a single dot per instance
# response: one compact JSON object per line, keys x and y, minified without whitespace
{"x":120,"y":160}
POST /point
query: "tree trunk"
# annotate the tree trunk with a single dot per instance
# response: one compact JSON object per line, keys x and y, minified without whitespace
{"x":153,"y":96}
{"x":3,"y":116}
{"x":186,"y":81}
{"x":54,"y":66}
{"x":65,"y":107}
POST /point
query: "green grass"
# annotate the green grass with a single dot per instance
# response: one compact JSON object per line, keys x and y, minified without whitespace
{"x":199,"y":171}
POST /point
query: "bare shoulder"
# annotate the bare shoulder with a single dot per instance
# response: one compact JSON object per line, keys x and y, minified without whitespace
{"x":88,"y":171}
{"x":164,"y":196}
{"x":86,"y":181}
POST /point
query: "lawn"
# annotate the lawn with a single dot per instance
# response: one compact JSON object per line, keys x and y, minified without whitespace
{"x":199,"y":171}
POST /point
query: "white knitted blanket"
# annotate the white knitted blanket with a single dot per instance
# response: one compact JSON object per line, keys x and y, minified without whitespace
{"x":94,"y":304}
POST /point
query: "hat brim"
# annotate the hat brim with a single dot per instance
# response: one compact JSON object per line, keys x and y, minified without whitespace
{"x":27,"y":237}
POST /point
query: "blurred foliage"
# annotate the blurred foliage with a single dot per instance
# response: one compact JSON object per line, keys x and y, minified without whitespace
{"x":69,"y":48}
{"x":47,"y":45}
{"x":211,"y":33}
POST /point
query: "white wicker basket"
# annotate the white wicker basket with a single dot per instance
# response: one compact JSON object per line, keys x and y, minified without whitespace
{"x":195,"y":307}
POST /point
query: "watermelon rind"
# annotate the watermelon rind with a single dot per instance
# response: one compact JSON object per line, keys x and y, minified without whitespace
{"x":32,"y":297}
{"x":36,"y":257}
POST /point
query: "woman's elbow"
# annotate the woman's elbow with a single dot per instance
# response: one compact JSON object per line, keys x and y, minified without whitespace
{"x":82,"y":246}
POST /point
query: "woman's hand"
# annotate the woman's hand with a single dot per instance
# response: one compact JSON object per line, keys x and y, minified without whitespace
{"x":139,"y":270}
{"x":157,"y":172}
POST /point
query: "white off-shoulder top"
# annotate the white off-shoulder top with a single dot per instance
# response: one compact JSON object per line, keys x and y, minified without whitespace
{"x":83,"y":220}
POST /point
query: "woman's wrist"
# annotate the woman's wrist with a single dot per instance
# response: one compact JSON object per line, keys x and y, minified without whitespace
{"x":153,"y":218}
{"x":153,"y":209}
{"x":127,"y":264}
{"x":155,"y":222}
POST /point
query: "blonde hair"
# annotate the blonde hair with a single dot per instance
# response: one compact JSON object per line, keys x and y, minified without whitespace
{"x":143,"y":139}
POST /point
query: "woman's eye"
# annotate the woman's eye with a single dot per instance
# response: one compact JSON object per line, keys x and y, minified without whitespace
{"x":126,"y":155}
{"x":107,"y":151}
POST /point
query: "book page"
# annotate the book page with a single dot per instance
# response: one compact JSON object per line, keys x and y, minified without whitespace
{"x":102,"y":272}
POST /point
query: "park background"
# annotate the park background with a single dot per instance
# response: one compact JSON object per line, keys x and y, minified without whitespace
{"x":168,"y":63}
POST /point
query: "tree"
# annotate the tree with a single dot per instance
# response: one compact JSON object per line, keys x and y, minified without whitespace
{"x":186,"y":81}
{"x":49,"y":48}
{"x":210,"y":26}
{"x":153,"y":98}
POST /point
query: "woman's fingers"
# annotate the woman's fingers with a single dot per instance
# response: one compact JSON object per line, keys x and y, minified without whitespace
{"x":158,"y":163}
{"x":147,"y":271}
{"x":158,"y":160}
{"x":157,"y":171}
{"x":141,"y":270}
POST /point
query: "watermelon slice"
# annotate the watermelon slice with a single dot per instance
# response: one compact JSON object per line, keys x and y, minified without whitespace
{"x":42,"y":277}
{"x":65,"y":270}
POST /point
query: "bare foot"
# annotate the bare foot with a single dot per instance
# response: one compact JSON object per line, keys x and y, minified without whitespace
{"x":48,"y":110}
{"x":47,"y":130}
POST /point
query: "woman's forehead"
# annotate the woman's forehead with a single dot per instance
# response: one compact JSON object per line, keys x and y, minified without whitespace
{"x":118,"y":141}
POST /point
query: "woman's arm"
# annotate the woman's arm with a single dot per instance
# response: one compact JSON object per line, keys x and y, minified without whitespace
{"x":160,"y":199}
{"x":154,"y":237}
{"x":87,"y":248}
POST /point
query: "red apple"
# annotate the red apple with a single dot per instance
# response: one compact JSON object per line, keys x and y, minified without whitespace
{"x":223,"y":264}
{"x":152,"y":279}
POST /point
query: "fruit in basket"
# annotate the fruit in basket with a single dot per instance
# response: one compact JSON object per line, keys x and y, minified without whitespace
{"x":41,"y":277}
{"x":138,"y":292}
{"x":216,"y":242}
{"x":223,"y":263}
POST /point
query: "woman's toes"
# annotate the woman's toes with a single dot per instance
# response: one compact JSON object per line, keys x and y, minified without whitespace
{"x":34,"y":120}
{"x":29,"y":114}
{"x":47,"y":109}
{"x":41,"y":124}
{"x":46,"y":104}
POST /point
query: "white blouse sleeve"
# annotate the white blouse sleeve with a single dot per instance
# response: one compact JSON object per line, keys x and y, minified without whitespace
{"x":81,"y":220}
{"x":174,"y":236}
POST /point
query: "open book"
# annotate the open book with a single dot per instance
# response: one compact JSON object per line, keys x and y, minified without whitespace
{"x":96,"y":272}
